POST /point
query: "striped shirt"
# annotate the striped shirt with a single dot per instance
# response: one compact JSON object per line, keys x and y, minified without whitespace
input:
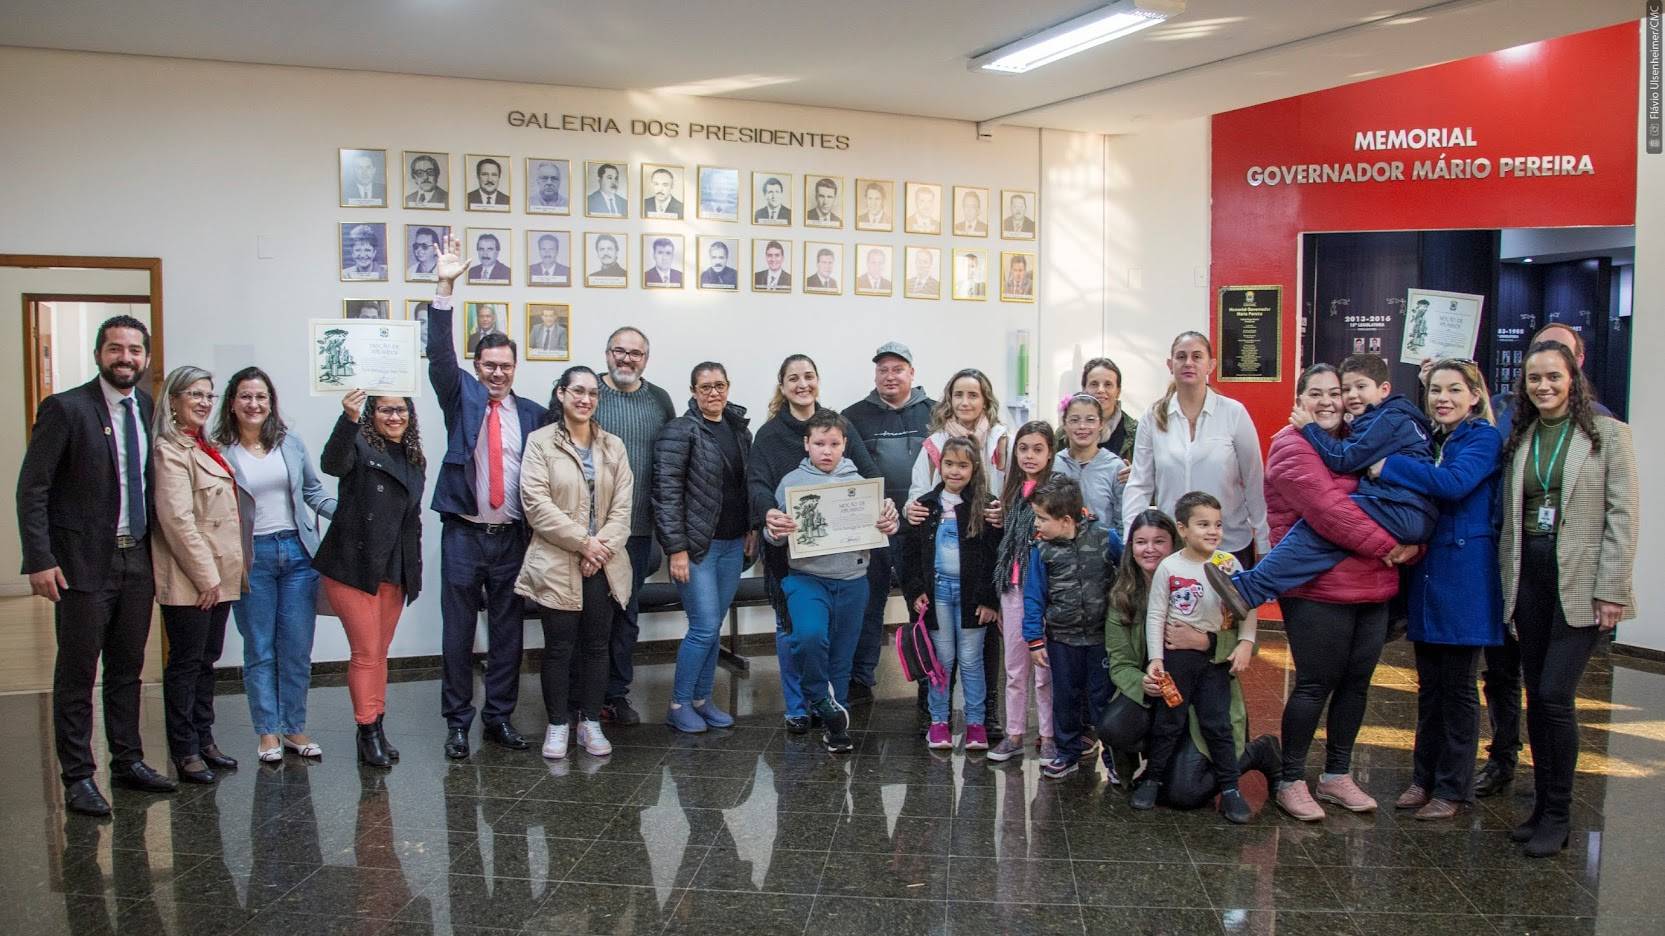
{"x":636,"y":418}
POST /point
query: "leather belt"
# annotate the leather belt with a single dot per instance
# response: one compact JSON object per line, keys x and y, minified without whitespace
{"x":489,"y":529}
{"x":126,"y":542}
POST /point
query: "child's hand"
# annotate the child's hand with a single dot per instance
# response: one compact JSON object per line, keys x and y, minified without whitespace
{"x":1038,"y":658}
{"x":1154,"y":669}
{"x":1241,"y":655}
{"x":920,"y":603}
{"x":987,"y":615}
{"x":1299,"y":417}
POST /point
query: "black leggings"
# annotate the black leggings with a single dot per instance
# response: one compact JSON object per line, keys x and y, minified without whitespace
{"x":195,"y":639}
{"x":585,"y":632}
{"x":1206,"y":686}
{"x":1553,"y":655}
{"x":1335,"y":648}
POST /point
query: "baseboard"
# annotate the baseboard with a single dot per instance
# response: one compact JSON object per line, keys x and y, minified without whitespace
{"x":1638,"y":653}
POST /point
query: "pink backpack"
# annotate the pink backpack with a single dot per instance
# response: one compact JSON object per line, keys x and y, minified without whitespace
{"x":917,"y":655}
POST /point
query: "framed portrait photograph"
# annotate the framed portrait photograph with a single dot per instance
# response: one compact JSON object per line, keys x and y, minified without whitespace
{"x":823,"y":268}
{"x":875,"y":269}
{"x":662,"y":261}
{"x":551,"y":258}
{"x":427,"y":180}
{"x":971,"y":211}
{"x":875,"y":205}
{"x":487,"y":178}
{"x":771,"y":265}
{"x":606,"y":190}
{"x":548,"y":331}
{"x":772,"y":198}
{"x":717,"y":259}
{"x":481,"y":319}
{"x":606,"y":260}
{"x":363,"y":178}
{"x":416,"y":310}
{"x":363,"y":252}
{"x":662,"y":192}
{"x":923,"y":204}
{"x":548,"y":186}
{"x":423,"y":245}
{"x":491,"y":251}
{"x":1018,"y":213}
{"x":971,"y":274}
{"x":823,"y":201}
{"x":366,"y":309}
{"x":1017,"y":276}
{"x":924,"y":272}
{"x":719,"y":194}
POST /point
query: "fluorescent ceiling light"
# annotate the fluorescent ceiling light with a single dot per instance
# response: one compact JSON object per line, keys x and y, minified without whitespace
{"x":1122,"y":18}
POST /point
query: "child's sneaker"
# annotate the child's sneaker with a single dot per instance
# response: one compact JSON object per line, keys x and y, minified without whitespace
{"x":939,"y":738}
{"x":1144,"y":795}
{"x":592,"y":740}
{"x":976,"y":738}
{"x":1049,"y":749}
{"x":836,"y":721}
{"x":1234,"y":807}
{"x":1060,"y":767}
{"x":1008,"y":748}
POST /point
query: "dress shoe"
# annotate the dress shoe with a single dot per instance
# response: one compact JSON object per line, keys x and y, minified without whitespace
{"x":1493,"y":779}
{"x":619,"y":712}
{"x":1436,"y":808}
{"x":504,"y":735}
{"x":381,"y":729}
{"x":139,"y":776}
{"x":1414,"y":797}
{"x":194,"y":770}
{"x":83,"y":797}
{"x":372,"y":751}
{"x":218,"y":759}
{"x":456,"y":743}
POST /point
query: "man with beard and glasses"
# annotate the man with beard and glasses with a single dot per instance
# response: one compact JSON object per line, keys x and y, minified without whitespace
{"x":84,"y":512}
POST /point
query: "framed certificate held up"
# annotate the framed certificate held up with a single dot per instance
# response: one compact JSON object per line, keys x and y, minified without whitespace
{"x":377,"y":355}
{"x":841,"y":516}
{"x":1439,"y":325}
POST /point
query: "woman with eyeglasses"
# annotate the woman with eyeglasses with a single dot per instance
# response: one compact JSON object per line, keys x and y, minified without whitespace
{"x":279,"y":498}
{"x":700,"y":513}
{"x":371,"y":558}
{"x":198,"y":564}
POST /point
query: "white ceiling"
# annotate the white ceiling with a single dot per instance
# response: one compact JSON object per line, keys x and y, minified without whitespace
{"x":874,"y":55}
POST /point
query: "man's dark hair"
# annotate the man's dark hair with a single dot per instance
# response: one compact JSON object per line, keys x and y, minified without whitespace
{"x":1188,"y":503}
{"x":1372,"y":366}
{"x":496,"y":340}
{"x":774,"y":245}
{"x":494,"y":164}
{"x":827,"y":419}
{"x":121,"y":321}
{"x":775,"y":182}
{"x":826,"y":184}
{"x":549,"y":238}
{"x":428,"y":231}
{"x":421,"y":159}
{"x":601,"y":170}
{"x":719,"y":243}
{"x":1058,"y":496}
{"x":823,"y":252}
{"x":484,"y":237}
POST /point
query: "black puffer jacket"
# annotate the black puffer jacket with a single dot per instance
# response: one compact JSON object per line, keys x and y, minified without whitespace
{"x":688,"y":480}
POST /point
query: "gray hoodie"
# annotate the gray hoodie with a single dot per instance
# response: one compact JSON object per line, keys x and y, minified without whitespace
{"x":1101,"y":487}
{"x":846,"y":566}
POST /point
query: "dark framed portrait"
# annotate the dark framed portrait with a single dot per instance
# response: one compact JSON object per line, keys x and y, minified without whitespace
{"x":662,"y":261}
{"x":971,"y":211}
{"x":427,"y":180}
{"x":416,"y":310}
{"x":823,"y":201}
{"x":875,"y":205}
{"x":606,"y":260}
{"x":366,"y":309}
{"x":548,"y":186}
{"x":719,"y":194}
{"x":771,"y":265}
{"x":481,"y":319}
{"x":971,"y":274}
{"x":491,"y":256}
{"x":662,"y":192}
{"x":489,"y":187}
{"x":548,"y":331}
{"x":550,"y":254}
{"x":923,"y":204}
{"x":1017,"y":276}
{"x":363,"y":251}
{"x":875,"y":270}
{"x":423,"y":245}
{"x":1019,"y":214}
{"x":718,"y":260}
{"x":363,"y":178}
{"x":607,"y":190}
{"x":823,"y":268}
{"x":772,"y":198}
{"x":923,"y":278}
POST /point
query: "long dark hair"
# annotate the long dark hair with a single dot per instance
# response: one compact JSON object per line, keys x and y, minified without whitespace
{"x":1132,"y":589}
{"x":554,"y":415}
{"x":976,"y":493}
{"x":272,"y":430}
{"x":1014,"y":478}
{"x":1578,"y":400}
{"x":412,"y":440}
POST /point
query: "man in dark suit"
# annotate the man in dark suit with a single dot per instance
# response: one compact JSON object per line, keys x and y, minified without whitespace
{"x":607,"y":256}
{"x":772,"y":278}
{"x":774,"y":209}
{"x":486,"y":269}
{"x":874,"y":280}
{"x":662,"y":273}
{"x":548,"y":268}
{"x":662,"y":204}
{"x":363,"y":186}
{"x":822,"y":280}
{"x":489,"y":194}
{"x":1017,"y":221}
{"x":825,"y":211}
{"x":84,"y":513}
{"x":484,"y":537}
{"x":719,"y":275}
{"x":424,"y":177}
{"x":606,"y":201}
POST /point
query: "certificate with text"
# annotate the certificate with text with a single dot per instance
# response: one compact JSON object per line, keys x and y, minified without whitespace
{"x":1439,"y":325}
{"x":377,"y":355}
{"x":840,"y":516}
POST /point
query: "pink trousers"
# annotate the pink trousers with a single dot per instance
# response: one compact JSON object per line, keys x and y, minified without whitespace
{"x":369,"y":621}
{"x":1018,"y":669}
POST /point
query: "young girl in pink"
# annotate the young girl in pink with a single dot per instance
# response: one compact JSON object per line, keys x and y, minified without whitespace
{"x":1033,"y":449}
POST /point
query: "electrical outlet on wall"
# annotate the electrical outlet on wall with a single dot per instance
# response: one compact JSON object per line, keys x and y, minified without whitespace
{"x":263,"y":247}
{"x":1199,"y":277}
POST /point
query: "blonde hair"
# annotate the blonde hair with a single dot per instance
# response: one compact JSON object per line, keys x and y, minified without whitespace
{"x":943,"y":412}
{"x":1476,"y":381}
{"x":163,"y":428}
{"x":778,"y":401}
{"x":1160,"y":411}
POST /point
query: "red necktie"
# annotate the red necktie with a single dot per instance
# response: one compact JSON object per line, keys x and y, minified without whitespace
{"x":494,"y":451}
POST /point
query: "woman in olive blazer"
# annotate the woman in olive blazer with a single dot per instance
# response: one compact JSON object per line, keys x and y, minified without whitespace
{"x":199,"y":566}
{"x":1567,"y":552}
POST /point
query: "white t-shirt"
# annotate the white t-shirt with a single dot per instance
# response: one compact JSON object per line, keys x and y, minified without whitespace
{"x":1179,"y":591}
{"x":267,"y":479}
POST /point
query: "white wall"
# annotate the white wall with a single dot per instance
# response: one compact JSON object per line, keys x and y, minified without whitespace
{"x":1647,"y":397}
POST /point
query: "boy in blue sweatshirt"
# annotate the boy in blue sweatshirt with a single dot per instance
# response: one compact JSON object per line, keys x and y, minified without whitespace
{"x":825,"y":595}
{"x":1384,"y":423}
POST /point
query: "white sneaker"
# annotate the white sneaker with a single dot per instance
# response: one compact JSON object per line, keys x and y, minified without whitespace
{"x":592,"y":740}
{"x":555,"y":742}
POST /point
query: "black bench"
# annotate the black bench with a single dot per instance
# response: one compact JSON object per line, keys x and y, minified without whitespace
{"x":662,"y":597}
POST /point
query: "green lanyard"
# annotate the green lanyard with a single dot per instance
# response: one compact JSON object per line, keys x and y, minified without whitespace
{"x":1537,"y":467}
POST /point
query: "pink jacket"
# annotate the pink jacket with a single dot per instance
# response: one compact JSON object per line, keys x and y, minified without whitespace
{"x":1299,"y":487}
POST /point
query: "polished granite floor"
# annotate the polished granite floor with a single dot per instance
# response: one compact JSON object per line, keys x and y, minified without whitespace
{"x":755,"y":831}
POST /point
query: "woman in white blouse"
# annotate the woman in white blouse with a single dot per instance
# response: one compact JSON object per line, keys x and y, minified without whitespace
{"x":1194,"y":439}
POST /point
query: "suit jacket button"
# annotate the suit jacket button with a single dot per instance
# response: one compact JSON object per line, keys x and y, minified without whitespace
{"x":369,"y":516}
{"x":378,"y":489}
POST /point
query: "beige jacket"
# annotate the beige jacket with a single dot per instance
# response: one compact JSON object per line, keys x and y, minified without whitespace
{"x":198,"y":542}
{"x":556,"y":502}
{"x":1595,"y":536}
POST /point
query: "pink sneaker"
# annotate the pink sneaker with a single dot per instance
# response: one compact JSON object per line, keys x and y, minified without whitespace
{"x":939,"y":738}
{"x":1343,"y":792}
{"x":1295,"y":799}
{"x":976,"y":738}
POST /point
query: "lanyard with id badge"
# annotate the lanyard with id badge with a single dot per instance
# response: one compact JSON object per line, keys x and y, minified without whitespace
{"x":1545,"y":521}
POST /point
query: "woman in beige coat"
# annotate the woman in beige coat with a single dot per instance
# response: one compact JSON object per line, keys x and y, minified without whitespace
{"x":575,"y":490}
{"x":1567,"y":552}
{"x":197,"y":556}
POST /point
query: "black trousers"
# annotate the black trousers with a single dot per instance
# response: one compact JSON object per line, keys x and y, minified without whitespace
{"x":1501,"y":682}
{"x":1447,"y":721}
{"x":1206,"y":686}
{"x":1553,"y":655}
{"x":195,"y":639}
{"x":478,"y":573}
{"x":111,"y":623}
{"x":1126,"y":722}
{"x":1335,"y":648}
{"x":1080,"y":684}
{"x":575,"y":653}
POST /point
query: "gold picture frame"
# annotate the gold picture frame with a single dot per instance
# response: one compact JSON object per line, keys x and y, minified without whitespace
{"x":864,"y":282}
{"x":760,"y":266}
{"x":354,"y":309}
{"x":503,"y":197}
{"x":676,"y":275}
{"x":409,"y":196}
{"x":536,"y":204}
{"x":812,"y":282}
{"x":1007,"y":292}
{"x":546,"y":340}
{"x":539,"y":275}
{"x":678,"y":209}
{"x":594,"y":206}
{"x":968,"y":227}
{"x":728,"y":279}
{"x":1026,"y":227}
{"x":471,"y":333}
{"x":597,"y":274}
{"x":921,"y":281}
{"x":487,"y":269}
{"x":967,"y":288}
{"x":761,"y":210}
{"x":410,"y":261}
{"x":887,"y":197}
{"x":348,"y":236}
{"x":346,"y":159}
{"x":714,"y":205}
{"x":812,"y":203}
{"x":417,"y":310}
{"x":914,"y":223}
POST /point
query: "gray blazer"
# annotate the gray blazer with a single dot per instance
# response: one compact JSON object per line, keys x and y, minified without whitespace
{"x":306,"y":495}
{"x":1595,"y":536}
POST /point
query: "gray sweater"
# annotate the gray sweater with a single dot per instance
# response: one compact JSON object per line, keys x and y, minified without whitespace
{"x":1101,"y":488}
{"x":846,"y":566}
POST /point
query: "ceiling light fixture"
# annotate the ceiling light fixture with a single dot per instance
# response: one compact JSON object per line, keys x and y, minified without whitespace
{"x":1122,"y":18}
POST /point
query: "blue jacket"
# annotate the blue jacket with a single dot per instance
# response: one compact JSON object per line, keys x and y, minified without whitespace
{"x":306,"y":494}
{"x":1392,"y":427}
{"x":462,"y":398}
{"x":1456,"y":592}
{"x":1036,"y":594}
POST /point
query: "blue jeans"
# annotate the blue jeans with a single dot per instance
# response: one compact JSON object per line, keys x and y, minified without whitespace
{"x":826,"y":621}
{"x":1303,"y":555}
{"x":886,"y":568}
{"x":963,"y":646}
{"x":276,"y":619}
{"x":706,"y":596}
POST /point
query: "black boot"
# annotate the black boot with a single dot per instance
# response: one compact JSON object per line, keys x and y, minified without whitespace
{"x":1265,"y":755}
{"x":1551,"y":835}
{"x":392,"y":752}
{"x":1495,"y":777}
{"x":372,"y":750}
{"x":1525,"y":831}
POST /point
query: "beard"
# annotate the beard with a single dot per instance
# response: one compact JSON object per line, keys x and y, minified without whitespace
{"x":623,"y":378}
{"x":118,"y":379}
